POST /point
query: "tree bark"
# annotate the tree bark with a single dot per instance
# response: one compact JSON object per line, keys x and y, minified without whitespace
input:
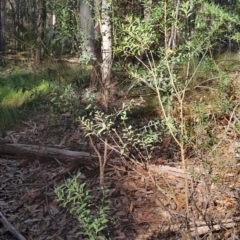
{"x":172,"y":43}
{"x":2,"y":27}
{"x":106,"y":29}
{"x":40,"y":152}
{"x":90,"y":31}
{"x":40,"y":29}
{"x":87,"y":28}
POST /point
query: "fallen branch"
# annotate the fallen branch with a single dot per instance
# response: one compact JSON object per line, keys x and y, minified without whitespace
{"x":40,"y":152}
{"x":177,"y":172}
{"x":205,"y":229}
{"x":5,"y":140}
{"x":202,"y":228}
{"x":9,"y":227}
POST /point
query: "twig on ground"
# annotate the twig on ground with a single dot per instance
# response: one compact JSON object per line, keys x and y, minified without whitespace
{"x":32,"y":125}
{"x":11,"y":228}
{"x":57,"y":161}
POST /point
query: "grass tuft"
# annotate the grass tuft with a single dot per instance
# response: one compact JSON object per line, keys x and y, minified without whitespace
{"x":8,"y":117}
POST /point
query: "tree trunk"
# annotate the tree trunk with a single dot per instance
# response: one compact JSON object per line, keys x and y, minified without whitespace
{"x":172,"y":42}
{"x":106,"y":49}
{"x":2,"y":27}
{"x":87,"y":28}
{"x":90,"y":48}
{"x":40,"y":29}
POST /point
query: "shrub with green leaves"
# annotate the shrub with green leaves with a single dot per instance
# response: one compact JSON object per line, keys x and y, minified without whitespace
{"x":127,"y":139}
{"x":74,"y":196}
{"x":64,"y":100}
{"x":64,"y":36}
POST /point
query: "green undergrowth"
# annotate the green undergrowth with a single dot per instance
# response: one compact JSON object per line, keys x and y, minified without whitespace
{"x":8,"y":117}
{"x":49,"y":87}
{"x":228,"y":61}
{"x":93,"y":218}
{"x":18,"y":91}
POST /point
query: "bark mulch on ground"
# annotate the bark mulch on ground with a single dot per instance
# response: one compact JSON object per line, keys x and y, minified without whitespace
{"x":146,"y":202}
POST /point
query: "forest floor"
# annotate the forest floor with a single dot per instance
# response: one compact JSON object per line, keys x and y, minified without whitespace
{"x":146,"y":201}
{"x":28,"y":200}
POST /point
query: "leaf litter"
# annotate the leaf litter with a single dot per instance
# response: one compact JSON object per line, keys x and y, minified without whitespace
{"x":144,"y":203}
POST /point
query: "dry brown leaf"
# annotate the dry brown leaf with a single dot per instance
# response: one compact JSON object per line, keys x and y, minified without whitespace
{"x":130,"y":186}
{"x":131,"y":207}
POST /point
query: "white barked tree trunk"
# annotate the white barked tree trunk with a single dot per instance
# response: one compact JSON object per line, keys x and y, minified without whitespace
{"x":106,"y":32}
{"x":87,"y":27}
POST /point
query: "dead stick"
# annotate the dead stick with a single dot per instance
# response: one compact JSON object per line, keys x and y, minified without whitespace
{"x":11,"y":228}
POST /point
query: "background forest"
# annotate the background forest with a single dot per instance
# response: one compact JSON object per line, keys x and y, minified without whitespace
{"x":129,"y":110}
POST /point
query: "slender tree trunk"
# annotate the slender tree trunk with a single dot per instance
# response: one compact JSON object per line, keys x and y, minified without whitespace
{"x":19,"y":23}
{"x":90,"y":48}
{"x":172,"y":43}
{"x":17,"y":31}
{"x":2,"y":27}
{"x":106,"y":29}
{"x":87,"y":28}
{"x":15,"y":16}
{"x":191,"y":19}
{"x":40,"y":29}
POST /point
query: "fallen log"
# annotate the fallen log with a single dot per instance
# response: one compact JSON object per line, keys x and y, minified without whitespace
{"x":199,"y":228}
{"x":177,"y":172}
{"x":41,"y":152}
{"x":5,"y":140}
